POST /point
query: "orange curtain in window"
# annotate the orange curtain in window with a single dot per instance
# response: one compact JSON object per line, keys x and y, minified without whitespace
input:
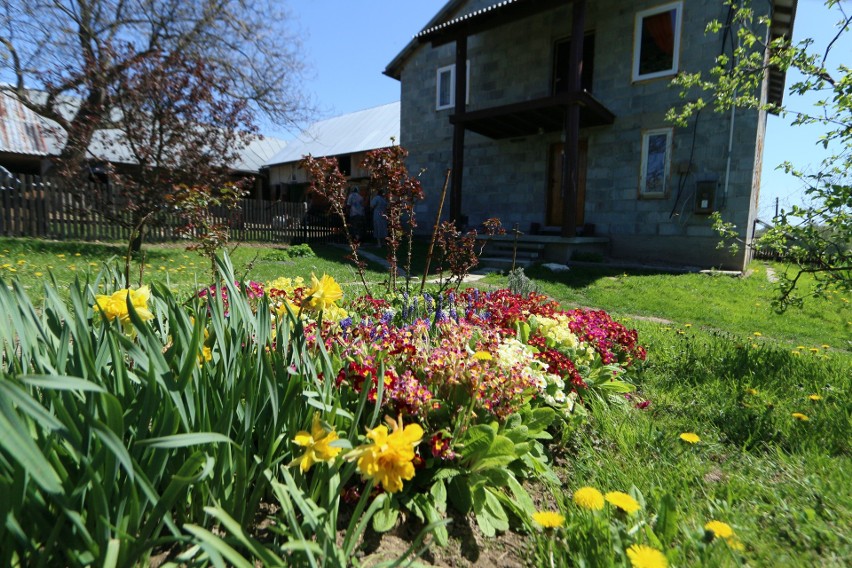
{"x":661,"y":29}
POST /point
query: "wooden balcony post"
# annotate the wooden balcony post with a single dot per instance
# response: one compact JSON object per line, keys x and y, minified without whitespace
{"x":571,"y":132}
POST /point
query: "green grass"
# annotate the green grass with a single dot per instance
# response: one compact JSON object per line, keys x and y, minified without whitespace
{"x":32,"y":262}
{"x":780,"y":482}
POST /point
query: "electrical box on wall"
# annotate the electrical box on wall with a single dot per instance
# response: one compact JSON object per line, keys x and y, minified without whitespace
{"x":705,"y":196}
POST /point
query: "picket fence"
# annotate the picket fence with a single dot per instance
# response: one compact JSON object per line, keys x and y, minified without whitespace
{"x":39,"y":207}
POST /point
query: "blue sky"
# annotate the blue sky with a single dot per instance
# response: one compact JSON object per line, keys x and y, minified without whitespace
{"x":348,"y":43}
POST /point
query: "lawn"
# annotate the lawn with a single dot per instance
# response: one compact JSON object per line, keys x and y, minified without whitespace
{"x":765,"y":395}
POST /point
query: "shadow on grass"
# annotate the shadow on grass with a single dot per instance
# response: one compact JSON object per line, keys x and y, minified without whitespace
{"x":581,"y":276}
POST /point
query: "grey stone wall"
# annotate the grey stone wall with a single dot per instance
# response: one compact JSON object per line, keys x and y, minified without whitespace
{"x":508,"y":178}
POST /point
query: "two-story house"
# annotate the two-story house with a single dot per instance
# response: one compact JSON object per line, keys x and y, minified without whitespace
{"x":551,"y":114}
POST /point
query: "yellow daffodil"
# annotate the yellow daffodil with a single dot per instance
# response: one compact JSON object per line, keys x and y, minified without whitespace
{"x":642,"y":556}
{"x":548,"y":519}
{"x":323,"y":292}
{"x":389,"y":458}
{"x":690,"y":437}
{"x":317,"y":445}
{"x":623,"y":501}
{"x":589,"y":498}
{"x":115,"y":305}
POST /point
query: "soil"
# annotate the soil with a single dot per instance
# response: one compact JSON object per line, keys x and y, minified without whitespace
{"x":467,"y":547}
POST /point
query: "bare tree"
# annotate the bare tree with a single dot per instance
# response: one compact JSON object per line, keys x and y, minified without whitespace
{"x":65,"y":57}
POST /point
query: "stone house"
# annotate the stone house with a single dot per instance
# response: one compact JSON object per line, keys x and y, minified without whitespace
{"x":567,"y":140}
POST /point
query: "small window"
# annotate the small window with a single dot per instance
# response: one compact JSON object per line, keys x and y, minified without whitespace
{"x":656,"y":157}
{"x":446,"y":90}
{"x":656,"y":42}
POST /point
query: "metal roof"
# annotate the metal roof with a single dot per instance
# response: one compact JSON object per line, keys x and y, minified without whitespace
{"x":355,"y":132}
{"x":21,"y":130}
{"x":26,"y":133}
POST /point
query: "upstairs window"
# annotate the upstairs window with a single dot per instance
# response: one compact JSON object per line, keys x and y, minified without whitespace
{"x":656,"y":157}
{"x":561,"y":64}
{"x":446,"y":87}
{"x":656,"y":41}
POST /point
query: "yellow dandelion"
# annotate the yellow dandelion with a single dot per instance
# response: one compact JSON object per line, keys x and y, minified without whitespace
{"x":824,"y":346}
{"x":549,"y":519}
{"x":758,"y":334}
{"x":317,"y":445}
{"x":719,"y":529}
{"x":814,"y":397}
{"x":76,"y":254}
{"x":623,"y":501}
{"x":796,"y":352}
{"x":751,"y":391}
{"x":814,"y":349}
{"x":642,"y":556}
{"x":735,"y":544}
{"x":39,"y":274}
{"x":482,"y":356}
{"x":687,"y":325}
{"x":690,"y":437}
{"x":801,"y":417}
{"x":589,"y":498}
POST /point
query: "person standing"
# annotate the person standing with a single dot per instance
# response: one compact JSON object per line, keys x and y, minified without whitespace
{"x":380,"y":223}
{"x":355,"y":205}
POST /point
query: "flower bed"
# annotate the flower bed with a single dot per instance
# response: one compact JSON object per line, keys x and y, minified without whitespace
{"x":154,"y":418}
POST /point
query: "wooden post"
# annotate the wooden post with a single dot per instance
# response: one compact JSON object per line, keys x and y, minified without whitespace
{"x":571,"y":148}
{"x":458,"y":129}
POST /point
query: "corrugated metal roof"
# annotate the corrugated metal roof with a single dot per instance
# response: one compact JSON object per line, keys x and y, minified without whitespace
{"x":24,"y":132}
{"x":355,"y":132}
{"x":258,"y":153}
{"x":21,"y":130}
{"x":470,"y":16}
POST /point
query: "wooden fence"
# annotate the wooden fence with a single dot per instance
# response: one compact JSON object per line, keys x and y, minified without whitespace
{"x":39,"y":207}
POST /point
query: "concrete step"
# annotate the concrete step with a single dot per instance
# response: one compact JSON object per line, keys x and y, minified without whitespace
{"x":503,"y":263}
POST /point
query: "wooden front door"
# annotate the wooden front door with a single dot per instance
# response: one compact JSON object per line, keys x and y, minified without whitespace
{"x":554,"y":192}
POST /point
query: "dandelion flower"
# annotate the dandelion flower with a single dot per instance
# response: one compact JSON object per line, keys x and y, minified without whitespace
{"x":549,"y":519}
{"x":758,"y":334}
{"x":317,"y":444}
{"x":388,"y":460}
{"x":719,"y":529}
{"x":642,"y":556}
{"x":815,"y":397}
{"x":589,"y":498}
{"x":800,"y":416}
{"x":623,"y":501}
{"x":323,"y":292}
{"x":690,"y":437}
{"x":751,"y":391}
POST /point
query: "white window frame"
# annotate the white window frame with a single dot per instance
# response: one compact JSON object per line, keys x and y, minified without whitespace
{"x":643,"y":173}
{"x":452,"y":69}
{"x":637,"y":40}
